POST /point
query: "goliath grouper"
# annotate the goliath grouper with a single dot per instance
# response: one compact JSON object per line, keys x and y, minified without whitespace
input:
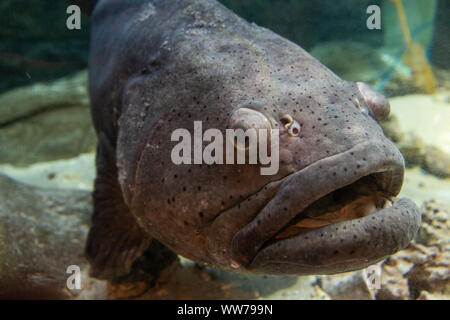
{"x":156,"y":66}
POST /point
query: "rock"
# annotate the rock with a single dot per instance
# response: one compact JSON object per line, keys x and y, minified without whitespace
{"x":347,"y":286}
{"x":425,"y":295}
{"x":394,"y":284}
{"x":75,"y":173}
{"x":24,"y":102}
{"x":418,"y":125}
{"x":413,"y":149}
{"x":42,"y":233}
{"x":432,"y":276}
{"x":435,"y":228}
{"x":57,"y":134}
{"x":421,"y":186}
{"x":421,"y":271}
{"x":392,"y":128}
{"x":46,"y":122}
{"x":436,"y":162}
{"x":426,"y":116}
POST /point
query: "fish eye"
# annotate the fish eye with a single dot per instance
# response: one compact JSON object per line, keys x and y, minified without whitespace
{"x":244,"y":119}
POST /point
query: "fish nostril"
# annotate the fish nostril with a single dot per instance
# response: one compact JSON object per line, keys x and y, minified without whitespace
{"x":286,"y":120}
{"x":291,"y":125}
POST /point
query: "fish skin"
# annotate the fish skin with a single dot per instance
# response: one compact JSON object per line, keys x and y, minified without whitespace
{"x":156,"y":66}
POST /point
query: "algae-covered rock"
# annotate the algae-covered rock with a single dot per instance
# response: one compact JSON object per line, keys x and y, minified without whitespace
{"x":42,"y":233}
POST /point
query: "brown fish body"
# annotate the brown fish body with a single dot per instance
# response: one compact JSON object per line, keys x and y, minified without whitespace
{"x":157,"y":66}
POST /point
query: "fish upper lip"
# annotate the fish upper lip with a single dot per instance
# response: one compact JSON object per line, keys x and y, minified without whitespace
{"x":286,"y":203}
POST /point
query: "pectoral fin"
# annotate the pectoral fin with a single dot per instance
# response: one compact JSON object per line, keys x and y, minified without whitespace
{"x":115,"y":240}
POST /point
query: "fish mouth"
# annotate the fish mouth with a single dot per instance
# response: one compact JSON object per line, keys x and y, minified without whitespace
{"x":330,"y":218}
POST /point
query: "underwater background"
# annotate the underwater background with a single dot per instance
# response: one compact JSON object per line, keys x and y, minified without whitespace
{"x":47,"y":145}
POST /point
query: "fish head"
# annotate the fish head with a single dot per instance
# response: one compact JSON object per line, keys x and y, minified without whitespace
{"x":328,"y":207}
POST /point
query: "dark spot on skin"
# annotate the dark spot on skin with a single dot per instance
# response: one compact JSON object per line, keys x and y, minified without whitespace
{"x":200,"y":214}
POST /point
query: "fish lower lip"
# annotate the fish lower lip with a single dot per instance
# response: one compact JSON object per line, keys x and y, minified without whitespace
{"x":342,"y":246}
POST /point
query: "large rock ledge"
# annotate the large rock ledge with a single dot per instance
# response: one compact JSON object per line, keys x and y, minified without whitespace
{"x":42,"y":232}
